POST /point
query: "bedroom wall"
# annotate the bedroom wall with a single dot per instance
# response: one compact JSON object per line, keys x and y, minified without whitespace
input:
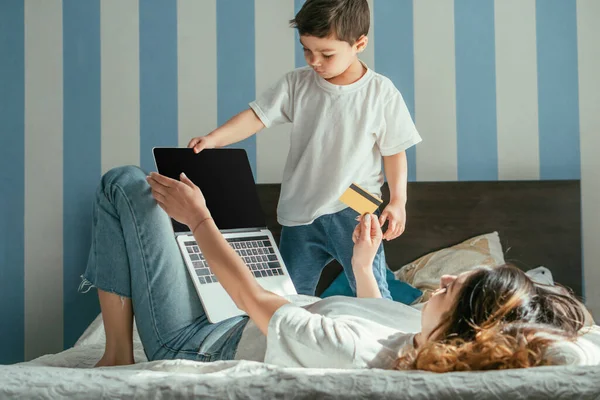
{"x":504,"y":89}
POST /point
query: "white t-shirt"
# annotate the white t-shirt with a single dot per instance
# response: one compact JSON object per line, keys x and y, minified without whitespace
{"x":336,"y":332}
{"x":339,"y":134}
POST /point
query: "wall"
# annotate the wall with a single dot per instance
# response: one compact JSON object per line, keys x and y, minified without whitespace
{"x":504,"y":89}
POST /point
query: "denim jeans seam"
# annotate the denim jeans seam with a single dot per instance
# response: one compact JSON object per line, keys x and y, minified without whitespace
{"x":111,"y":290}
{"x":171,"y":350}
{"x":326,"y":229}
{"x":145,"y":265}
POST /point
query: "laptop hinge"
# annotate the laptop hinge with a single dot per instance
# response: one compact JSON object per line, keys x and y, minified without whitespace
{"x":242,"y":230}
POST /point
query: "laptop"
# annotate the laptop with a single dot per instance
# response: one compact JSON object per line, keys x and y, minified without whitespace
{"x":225,"y":178}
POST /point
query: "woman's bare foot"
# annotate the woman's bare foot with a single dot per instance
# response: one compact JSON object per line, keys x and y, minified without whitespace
{"x":111,"y":361}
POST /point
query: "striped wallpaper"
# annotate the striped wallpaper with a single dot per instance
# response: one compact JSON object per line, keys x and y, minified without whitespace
{"x":504,"y":89}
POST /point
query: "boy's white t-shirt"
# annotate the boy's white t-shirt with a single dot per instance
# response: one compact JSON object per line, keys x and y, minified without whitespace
{"x":336,"y":332}
{"x":339,"y":134}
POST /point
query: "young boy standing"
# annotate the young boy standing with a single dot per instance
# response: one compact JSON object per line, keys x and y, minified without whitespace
{"x":344,"y":118}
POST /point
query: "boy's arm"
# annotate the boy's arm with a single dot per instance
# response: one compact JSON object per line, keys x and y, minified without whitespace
{"x":273,"y":107}
{"x":396,"y":172}
{"x":238,"y":128}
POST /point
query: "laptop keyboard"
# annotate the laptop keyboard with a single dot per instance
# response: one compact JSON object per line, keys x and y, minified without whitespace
{"x":257,"y":253}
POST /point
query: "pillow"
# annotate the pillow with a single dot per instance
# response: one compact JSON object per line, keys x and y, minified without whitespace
{"x":425,"y":272}
{"x":541,"y":275}
{"x":585,"y":350}
{"x":400,"y":291}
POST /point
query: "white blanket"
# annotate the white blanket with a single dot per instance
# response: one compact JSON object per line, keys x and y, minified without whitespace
{"x":68,"y":375}
{"x":251,"y":380}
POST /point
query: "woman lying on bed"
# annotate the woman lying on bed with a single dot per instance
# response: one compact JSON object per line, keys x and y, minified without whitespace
{"x":486,"y":319}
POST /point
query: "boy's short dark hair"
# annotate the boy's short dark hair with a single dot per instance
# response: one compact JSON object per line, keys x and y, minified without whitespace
{"x":348,"y":20}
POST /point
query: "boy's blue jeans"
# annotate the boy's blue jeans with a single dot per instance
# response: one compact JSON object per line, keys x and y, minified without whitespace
{"x":307,"y":249}
{"x":134,"y":254}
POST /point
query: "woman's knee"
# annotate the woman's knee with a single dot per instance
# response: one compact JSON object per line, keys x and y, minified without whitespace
{"x":125,"y":178}
{"x":123,"y":175}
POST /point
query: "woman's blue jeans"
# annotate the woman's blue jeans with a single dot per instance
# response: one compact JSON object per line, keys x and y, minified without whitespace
{"x":134,"y":254}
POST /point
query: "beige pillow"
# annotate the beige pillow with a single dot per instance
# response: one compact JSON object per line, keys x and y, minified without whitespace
{"x":425,"y":272}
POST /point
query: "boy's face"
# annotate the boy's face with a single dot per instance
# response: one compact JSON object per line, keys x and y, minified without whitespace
{"x":330,"y":57}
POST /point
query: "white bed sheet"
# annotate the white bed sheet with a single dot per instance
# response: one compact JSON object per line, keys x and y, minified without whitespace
{"x":68,"y":375}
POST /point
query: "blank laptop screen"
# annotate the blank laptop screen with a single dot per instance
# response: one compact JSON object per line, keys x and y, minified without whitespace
{"x":225,"y":178}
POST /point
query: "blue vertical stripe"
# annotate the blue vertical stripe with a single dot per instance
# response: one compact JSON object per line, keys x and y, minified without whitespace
{"x":477,"y":141}
{"x":298,"y":51}
{"x":395,"y":56}
{"x":81,"y":162}
{"x":12,"y":174}
{"x":558,"y":89}
{"x":236,"y":76}
{"x":158,"y":78}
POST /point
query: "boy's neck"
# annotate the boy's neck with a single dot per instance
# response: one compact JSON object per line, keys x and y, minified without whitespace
{"x":353,"y":73}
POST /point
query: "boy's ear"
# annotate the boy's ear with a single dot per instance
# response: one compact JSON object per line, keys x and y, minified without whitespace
{"x":361,"y":43}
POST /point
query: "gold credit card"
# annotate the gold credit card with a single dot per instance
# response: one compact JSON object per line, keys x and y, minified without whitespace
{"x":360,"y":200}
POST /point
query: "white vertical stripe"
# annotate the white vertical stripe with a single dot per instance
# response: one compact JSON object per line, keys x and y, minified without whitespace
{"x":43,"y":178}
{"x":368,"y":56}
{"x":435,"y":90}
{"x":274,"y":57}
{"x":197,"y":68}
{"x":588,"y":34}
{"x":120,"y":83}
{"x":516,"y":90}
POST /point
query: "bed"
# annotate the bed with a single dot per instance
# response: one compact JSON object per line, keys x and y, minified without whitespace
{"x":67,"y":375}
{"x":538,"y":223}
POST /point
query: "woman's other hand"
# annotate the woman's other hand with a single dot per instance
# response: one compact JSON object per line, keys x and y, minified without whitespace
{"x":366,"y":237}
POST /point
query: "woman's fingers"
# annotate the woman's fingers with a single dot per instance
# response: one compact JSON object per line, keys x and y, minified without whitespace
{"x":375,"y":227}
{"x":366,"y":227}
{"x":157,"y":187}
{"x":162,"y":180}
{"x":183,"y":177}
{"x":356,"y":233}
{"x":162,"y":205}
{"x":159,"y":197}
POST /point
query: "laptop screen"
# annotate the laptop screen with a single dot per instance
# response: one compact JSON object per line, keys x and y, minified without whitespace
{"x":225,"y":178}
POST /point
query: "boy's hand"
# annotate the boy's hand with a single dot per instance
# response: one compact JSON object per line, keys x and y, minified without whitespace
{"x":202,"y":142}
{"x":367,"y":238}
{"x":395,"y":214}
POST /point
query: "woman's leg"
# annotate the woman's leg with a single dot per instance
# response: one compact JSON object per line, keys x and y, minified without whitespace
{"x":134,"y":255}
{"x":117,"y":315}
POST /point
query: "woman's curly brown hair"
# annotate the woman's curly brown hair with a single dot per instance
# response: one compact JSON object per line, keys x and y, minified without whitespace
{"x":501,"y":319}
